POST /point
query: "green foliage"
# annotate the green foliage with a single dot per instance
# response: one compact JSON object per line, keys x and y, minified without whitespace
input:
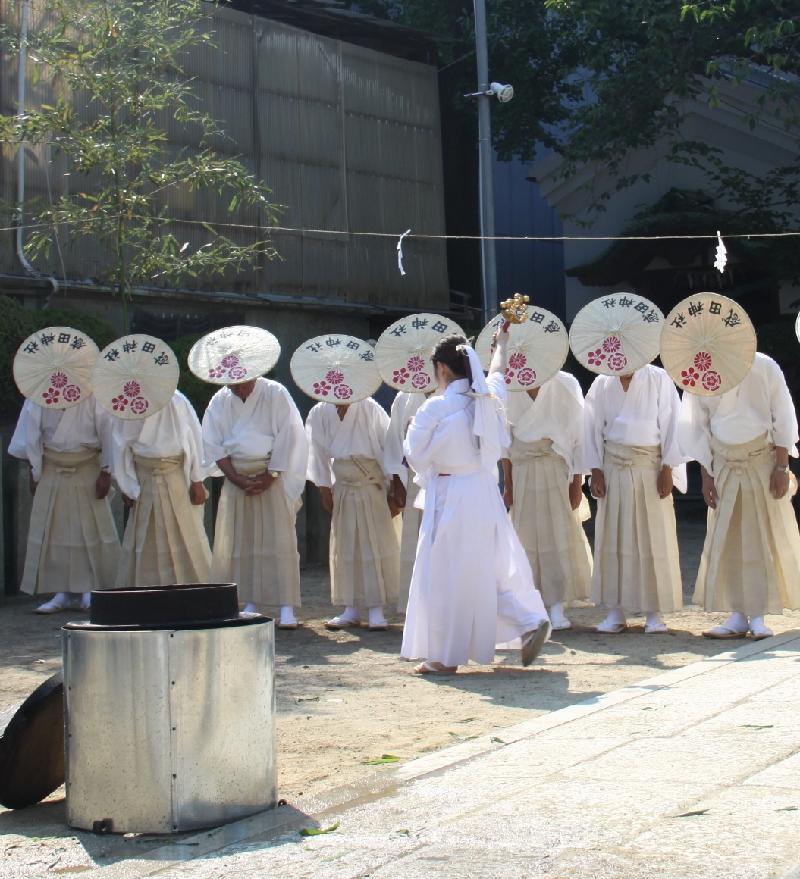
{"x":17,"y":323}
{"x":124,"y":60}
{"x":596,"y":79}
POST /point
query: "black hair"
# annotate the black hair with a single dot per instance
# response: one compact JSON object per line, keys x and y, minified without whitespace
{"x":447,"y":353}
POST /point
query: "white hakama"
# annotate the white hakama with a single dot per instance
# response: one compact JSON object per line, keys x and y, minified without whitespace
{"x":73,"y":544}
{"x":546,"y":453}
{"x":255,"y":537}
{"x":629,"y":436}
{"x":347,"y":454}
{"x":404,"y":407}
{"x":472,"y":587}
{"x":155,"y":462}
{"x":751,"y":556}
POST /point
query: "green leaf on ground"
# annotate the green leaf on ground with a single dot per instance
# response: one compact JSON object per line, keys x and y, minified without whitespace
{"x":496,"y":740}
{"x":384,"y":758}
{"x":757,"y":725}
{"x":319,"y":831}
{"x":693,"y":814}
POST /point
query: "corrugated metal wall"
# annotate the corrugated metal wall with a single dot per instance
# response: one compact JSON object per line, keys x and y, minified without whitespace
{"x":347,"y":138}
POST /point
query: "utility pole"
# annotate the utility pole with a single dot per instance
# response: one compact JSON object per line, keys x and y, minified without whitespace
{"x":489,"y":300}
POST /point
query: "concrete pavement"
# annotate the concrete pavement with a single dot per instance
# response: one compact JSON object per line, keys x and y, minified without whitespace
{"x":694,"y":773}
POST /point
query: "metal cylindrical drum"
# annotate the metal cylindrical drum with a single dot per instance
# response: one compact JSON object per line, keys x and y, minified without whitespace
{"x":169,"y":729}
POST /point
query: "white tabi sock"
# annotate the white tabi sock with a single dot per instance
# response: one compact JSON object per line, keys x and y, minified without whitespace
{"x":287,"y":616}
{"x":250,"y":608}
{"x":737,"y":622}
{"x":376,"y":617}
{"x":616,"y":617}
{"x":350,"y":615}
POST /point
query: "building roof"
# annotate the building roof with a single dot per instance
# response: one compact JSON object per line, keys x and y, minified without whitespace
{"x":332,"y":18}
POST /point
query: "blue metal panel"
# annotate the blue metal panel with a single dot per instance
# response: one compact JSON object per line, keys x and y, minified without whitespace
{"x":532,"y":267}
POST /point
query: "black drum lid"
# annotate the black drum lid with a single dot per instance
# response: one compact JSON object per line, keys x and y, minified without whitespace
{"x":32,"y":746}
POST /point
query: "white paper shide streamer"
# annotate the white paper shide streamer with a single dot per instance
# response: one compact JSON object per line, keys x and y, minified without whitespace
{"x":721,"y":258}
{"x":400,"y":252}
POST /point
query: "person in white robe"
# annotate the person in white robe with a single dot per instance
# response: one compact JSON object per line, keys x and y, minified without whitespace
{"x":472,"y":589}
{"x":158,"y":466}
{"x":346,"y":464}
{"x":543,"y":488}
{"x":750,"y":564}
{"x":404,"y":489}
{"x":73,"y":545}
{"x":253,"y":436}
{"x":631,"y":448}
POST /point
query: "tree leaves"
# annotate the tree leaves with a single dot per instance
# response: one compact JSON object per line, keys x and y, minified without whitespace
{"x":118,"y":85}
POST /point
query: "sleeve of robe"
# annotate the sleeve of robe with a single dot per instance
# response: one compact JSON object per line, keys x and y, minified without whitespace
{"x":192,"y":436}
{"x":319,"y":461}
{"x":694,"y":431}
{"x":211,"y":428}
{"x":104,"y":425}
{"x":784,"y":416}
{"x":290,"y":449}
{"x":669,"y":408}
{"x":593,"y":421}
{"x":575,"y":428}
{"x":122,"y":468}
{"x":393,"y":447}
{"x":419,"y":448}
{"x":26,"y":441}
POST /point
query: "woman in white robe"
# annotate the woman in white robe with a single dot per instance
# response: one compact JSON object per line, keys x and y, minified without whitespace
{"x":158,"y":466}
{"x":751,"y":557}
{"x":253,"y":436}
{"x":631,"y":447}
{"x":472,"y":588}
{"x":73,"y":546}
{"x":543,"y":489}
{"x":404,"y":490}
{"x":346,"y":464}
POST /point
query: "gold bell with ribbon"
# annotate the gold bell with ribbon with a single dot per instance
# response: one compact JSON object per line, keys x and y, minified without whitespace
{"x":515,"y":310}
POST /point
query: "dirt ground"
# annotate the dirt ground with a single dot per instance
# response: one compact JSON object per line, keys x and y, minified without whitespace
{"x":347,"y":698}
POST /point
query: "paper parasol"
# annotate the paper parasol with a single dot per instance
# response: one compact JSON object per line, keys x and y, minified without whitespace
{"x":537,"y":348}
{"x":234,"y":355}
{"x":53,"y":367}
{"x":135,"y":376}
{"x":616,"y":334}
{"x":403,"y":352}
{"x":707,"y":344}
{"x":335,"y":369}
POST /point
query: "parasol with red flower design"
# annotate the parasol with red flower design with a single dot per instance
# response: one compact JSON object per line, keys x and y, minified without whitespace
{"x":708,"y":344}
{"x":53,"y":367}
{"x":403,"y":351}
{"x":135,"y":376}
{"x":335,"y":369}
{"x":616,"y":334}
{"x":234,"y":355}
{"x":537,"y":348}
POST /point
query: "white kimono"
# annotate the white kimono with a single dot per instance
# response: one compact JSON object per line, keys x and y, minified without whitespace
{"x":347,"y":455}
{"x":629,"y":436}
{"x":255,"y":539}
{"x":73,"y":544}
{"x":154,"y":462}
{"x":472,"y":587}
{"x":404,"y":408}
{"x":546,"y":452}
{"x":751,"y":555}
